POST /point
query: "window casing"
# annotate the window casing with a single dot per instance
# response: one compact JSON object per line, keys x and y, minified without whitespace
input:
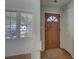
{"x":18,"y":24}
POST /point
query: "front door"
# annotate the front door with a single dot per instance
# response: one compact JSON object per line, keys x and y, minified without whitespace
{"x":52,"y":30}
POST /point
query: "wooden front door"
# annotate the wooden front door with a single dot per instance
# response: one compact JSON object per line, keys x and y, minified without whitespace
{"x":52,"y":30}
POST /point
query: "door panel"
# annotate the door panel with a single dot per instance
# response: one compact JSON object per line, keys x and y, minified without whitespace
{"x":52,"y":31}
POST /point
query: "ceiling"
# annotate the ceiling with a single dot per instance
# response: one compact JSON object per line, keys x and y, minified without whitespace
{"x":59,"y":4}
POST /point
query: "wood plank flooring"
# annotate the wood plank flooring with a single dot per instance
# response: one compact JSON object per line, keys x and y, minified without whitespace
{"x":65,"y":55}
{"x":21,"y":56}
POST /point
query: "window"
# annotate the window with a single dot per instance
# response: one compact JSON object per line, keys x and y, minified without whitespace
{"x":18,"y":25}
{"x":10,"y":25}
{"x":26,"y":25}
{"x":52,"y":19}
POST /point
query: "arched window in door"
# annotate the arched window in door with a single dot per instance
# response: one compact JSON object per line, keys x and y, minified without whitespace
{"x":52,"y":19}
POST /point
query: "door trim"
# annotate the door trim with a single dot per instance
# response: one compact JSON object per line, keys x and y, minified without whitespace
{"x":43,"y":38}
{"x":56,"y":32}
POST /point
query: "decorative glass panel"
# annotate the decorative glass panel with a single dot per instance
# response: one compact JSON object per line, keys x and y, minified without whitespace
{"x":26,"y":25}
{"x":52,"y":19}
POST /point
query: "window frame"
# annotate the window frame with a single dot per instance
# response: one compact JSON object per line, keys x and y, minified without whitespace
{"x":18,"y":23}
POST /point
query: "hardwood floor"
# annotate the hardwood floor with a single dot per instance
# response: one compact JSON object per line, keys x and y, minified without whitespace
{"x":44,"y":55}
{"x":62,"y":55}
{"x":54,"y":54}
{"x":21,"y":56}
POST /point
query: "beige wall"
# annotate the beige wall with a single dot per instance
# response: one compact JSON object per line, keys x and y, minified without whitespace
{"x":68,"y":27}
